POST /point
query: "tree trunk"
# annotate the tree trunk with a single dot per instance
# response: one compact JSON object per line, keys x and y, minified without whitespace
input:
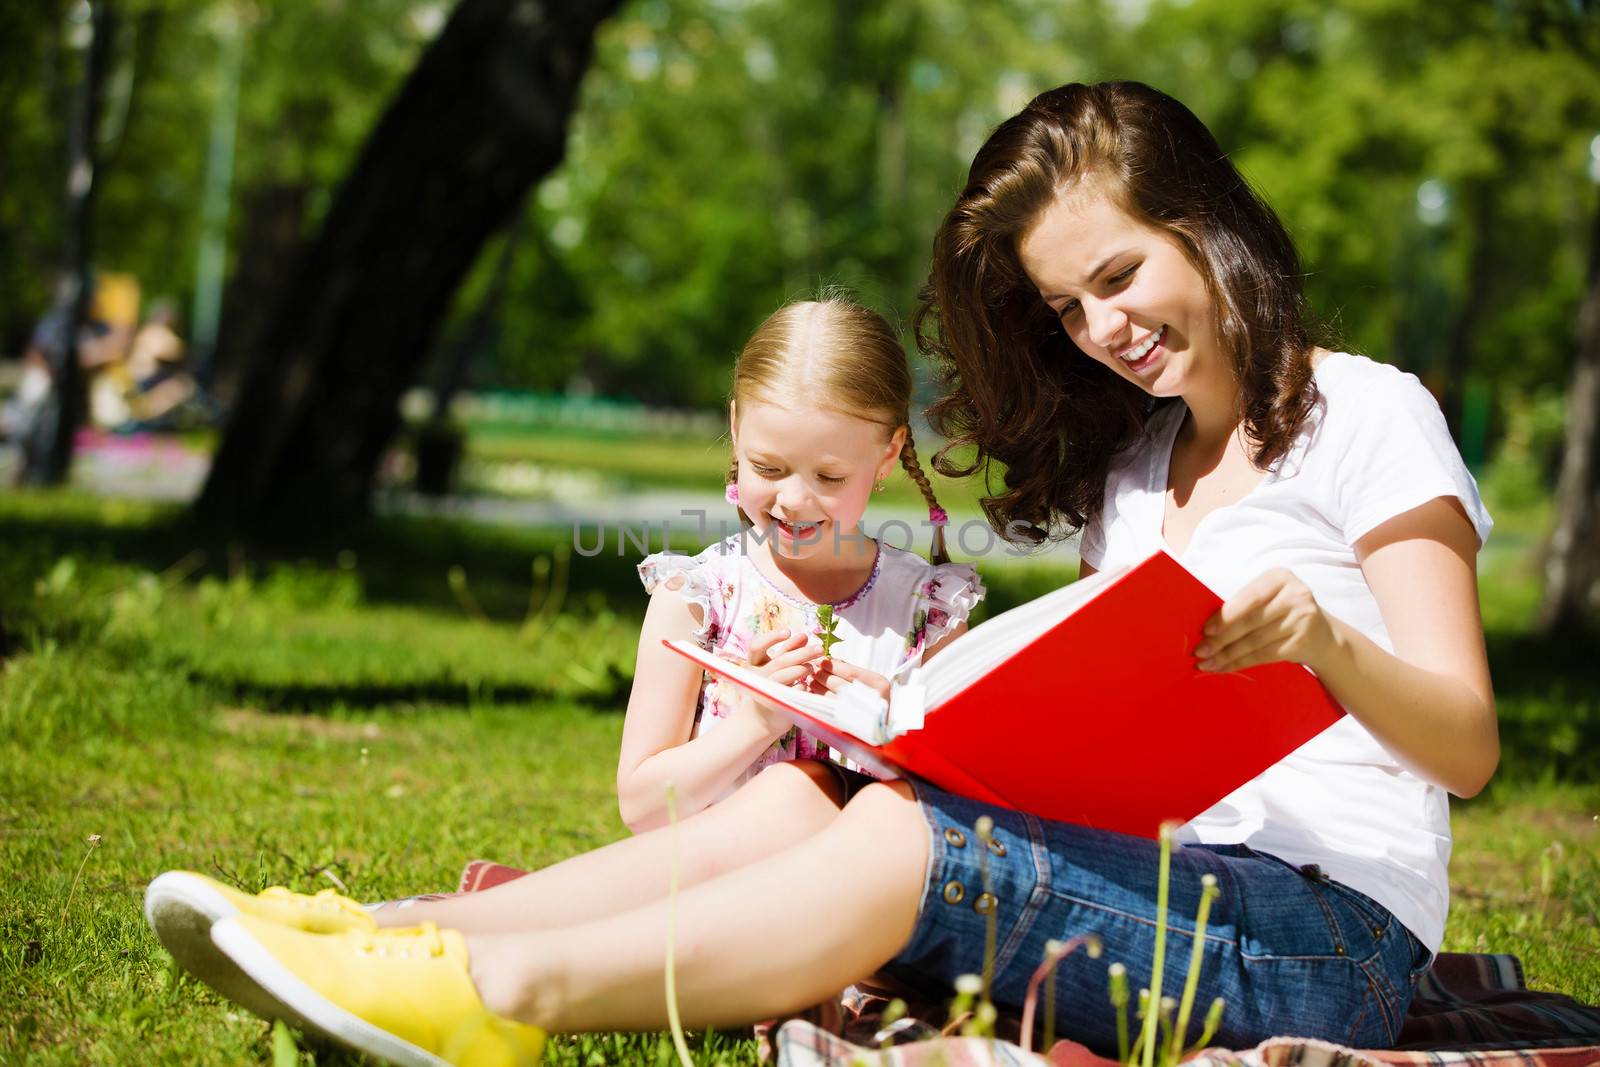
{"x":440,"y":443}
{"x":1456,"y":361}
{"x":1571,"y":603}
{"x":47,"y":449}
{"x":272,"y":236}
{"x":480,"y":119}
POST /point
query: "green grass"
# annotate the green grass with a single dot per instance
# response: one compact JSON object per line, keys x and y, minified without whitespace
{"x":339,"y":707}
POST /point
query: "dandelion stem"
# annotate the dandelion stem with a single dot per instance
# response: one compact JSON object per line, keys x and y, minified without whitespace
{"x":1119,"y":1001}
{"x":1169,"y":1005}
{"x":1138,"y":1042}
{"x":985,"y":829}
{"x":1049,"y":1011}
{"x":967,"y":987}
{"x":1191,"y":981}
{"x":535,"y":621}
{"x":456,"y":578}
{"x":673,"y":1021}
{"x":94,"y":843}
{"x":1209,"y":1030}
{"x":1152,"y":1015}
{"x":1045,"y":970}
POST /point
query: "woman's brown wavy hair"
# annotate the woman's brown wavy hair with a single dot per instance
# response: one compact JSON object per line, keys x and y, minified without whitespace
{"x":1017,"y":389}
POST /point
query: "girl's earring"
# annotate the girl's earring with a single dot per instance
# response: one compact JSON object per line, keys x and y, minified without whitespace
{"x":883,"y":483}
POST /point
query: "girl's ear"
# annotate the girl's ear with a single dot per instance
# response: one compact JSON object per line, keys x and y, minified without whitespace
{"x":891,"y":453}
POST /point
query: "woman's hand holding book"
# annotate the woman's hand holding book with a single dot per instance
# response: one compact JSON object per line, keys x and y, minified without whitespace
{"x":1273,"y":618}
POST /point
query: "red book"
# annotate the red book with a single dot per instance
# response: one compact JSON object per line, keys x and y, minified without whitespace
{"x":1083,"y":706}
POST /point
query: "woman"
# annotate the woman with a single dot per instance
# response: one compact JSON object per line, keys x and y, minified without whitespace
{"x":1121,"y":326}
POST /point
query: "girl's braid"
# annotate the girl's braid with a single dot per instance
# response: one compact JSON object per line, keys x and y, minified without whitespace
{"x":733,"y":480}
{"x":908,"y":460}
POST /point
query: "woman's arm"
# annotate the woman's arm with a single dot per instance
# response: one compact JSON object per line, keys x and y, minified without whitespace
{"x":1430,"y":702}
{"x":656,"y":746}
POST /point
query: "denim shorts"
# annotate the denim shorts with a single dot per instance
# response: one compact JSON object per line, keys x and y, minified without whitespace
{"x":1290,"y":951}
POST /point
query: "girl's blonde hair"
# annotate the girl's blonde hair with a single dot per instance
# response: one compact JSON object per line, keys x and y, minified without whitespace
{"x":839,"y":355}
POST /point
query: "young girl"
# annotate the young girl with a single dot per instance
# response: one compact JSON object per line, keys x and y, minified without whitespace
{"x":819,"y":416}
{"x":1121,"y":324}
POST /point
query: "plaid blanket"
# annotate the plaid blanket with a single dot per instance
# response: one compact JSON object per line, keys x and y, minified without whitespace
{"x":1469,"y":1001}
{"x":802,"y":1044}
{"x":1474,"y":1010}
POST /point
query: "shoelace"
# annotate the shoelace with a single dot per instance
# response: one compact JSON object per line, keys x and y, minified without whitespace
{"x":327,"y":899}
{"x":405,"y":941}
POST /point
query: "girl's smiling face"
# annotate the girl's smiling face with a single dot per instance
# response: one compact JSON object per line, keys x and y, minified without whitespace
{"x":1125,"y":292}
{"x":805,"y":475}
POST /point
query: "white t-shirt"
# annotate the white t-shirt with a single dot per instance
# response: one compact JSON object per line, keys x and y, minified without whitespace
{"x":1375,"y":447}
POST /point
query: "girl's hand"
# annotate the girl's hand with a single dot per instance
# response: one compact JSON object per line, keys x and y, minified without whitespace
{"x":1273,"y":618}
{"x":837,"y":674}
{"x":786,"y":658}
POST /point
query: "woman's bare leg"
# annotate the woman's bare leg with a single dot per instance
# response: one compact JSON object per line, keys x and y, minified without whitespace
{"x":772,"y":936}
{"x":786,"y":803}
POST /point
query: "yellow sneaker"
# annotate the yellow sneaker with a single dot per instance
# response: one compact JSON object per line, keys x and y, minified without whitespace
{"x":181,"y":906}
{"x":404,"y":995}
{"x":185,"y":891}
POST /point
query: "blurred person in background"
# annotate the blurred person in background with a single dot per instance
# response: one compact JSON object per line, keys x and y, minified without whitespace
{"x":159,"y":382}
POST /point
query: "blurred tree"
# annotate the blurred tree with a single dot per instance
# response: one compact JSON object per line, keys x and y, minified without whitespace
{"x":32,"y":155}
{"x":47,"y":447}
{"x":726,"y":157}
{"x":440,"y":441}
{"x":316,"y":80}
{"x":1571,"y":604}
{"x":1341,"y":112}
{"x":483,"y":115}
{"x":774,"y":133}
{"x":316,"y":77}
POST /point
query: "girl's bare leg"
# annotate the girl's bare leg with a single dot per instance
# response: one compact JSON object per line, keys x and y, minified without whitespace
{"x":785,"y":803}
{"x":771,"y":936}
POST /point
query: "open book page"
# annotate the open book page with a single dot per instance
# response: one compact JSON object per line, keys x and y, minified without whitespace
{"x":976,"y":652}
{"x":860,"y":712}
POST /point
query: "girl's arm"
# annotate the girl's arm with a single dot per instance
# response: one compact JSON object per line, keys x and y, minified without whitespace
{"x":939,"y":646}
{"x":656,"y":746}
{"x":1430,"y":702}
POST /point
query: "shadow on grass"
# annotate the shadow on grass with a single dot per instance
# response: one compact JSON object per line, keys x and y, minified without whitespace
{"x":401,"y":561}
{"x":299,"y":698}
{"x":390,"y":611}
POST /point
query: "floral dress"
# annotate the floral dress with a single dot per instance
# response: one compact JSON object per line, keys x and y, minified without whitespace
{"x":905,"y":606}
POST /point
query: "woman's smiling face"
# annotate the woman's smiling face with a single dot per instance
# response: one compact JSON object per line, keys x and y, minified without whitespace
{"x":806,"y":475}
{"x":1124,"y":291}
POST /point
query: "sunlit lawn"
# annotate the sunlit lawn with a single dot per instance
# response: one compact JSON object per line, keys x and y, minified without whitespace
{"x":341,"y":709}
